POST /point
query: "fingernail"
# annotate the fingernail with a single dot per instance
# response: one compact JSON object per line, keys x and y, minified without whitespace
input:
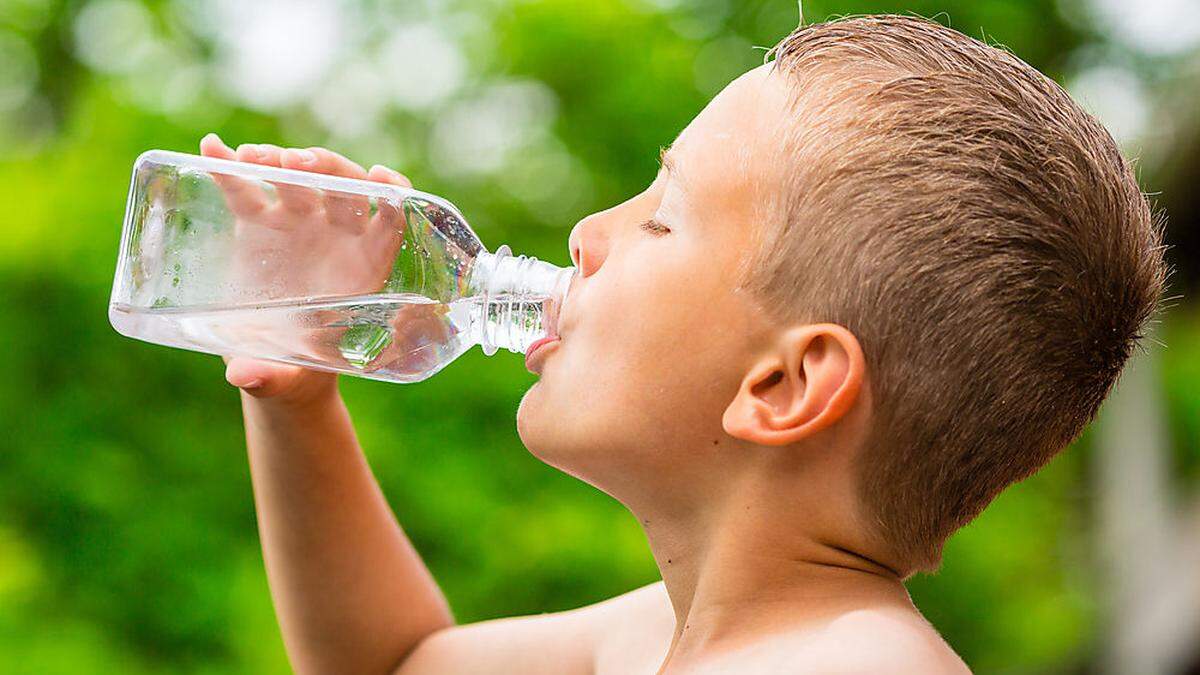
{"x":252,"y":384}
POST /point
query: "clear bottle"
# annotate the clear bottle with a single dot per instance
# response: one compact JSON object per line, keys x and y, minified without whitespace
{"x":332,"y":273}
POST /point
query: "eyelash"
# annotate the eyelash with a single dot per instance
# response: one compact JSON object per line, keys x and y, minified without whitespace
{"x":655,"y":227}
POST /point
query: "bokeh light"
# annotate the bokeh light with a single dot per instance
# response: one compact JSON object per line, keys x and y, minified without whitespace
{"x":127,"y":531}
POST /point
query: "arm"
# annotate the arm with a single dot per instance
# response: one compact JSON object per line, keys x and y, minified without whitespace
{"x":626,"y":634}
{"x":350,"y":593}
{"x":352,"y":596}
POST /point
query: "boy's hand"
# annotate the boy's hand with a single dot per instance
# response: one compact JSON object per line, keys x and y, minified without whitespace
{"x":335,"y":252}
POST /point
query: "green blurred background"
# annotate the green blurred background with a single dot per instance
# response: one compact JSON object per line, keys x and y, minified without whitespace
{"x":127,"y":531}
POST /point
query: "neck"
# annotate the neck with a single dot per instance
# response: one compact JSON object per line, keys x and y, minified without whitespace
{"x":759,"y":559}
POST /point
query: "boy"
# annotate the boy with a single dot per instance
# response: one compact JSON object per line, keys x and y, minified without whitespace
{"x":875,"y":282}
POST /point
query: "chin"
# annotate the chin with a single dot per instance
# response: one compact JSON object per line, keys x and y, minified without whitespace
{"x":548,"y":431}
{"x":533,"y":420}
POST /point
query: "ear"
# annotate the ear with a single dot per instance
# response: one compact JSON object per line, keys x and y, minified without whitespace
{"x":807,"y":383}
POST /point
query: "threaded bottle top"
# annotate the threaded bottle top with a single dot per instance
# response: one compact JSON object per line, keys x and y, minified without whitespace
{"x":520,"y":299}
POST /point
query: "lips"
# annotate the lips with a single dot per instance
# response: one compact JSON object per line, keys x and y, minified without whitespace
{"x":536,"y":353}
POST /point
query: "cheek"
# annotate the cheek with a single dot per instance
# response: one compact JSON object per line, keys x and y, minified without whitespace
{"x":647,"y":358}
{"x":635,"y":322}
{"x":650,"y":352}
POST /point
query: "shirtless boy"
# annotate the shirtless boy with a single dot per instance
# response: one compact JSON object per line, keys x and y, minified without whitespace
{"x":876,"y":281}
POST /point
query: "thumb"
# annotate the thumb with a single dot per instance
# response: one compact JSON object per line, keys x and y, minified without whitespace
{"x":262,"y":379}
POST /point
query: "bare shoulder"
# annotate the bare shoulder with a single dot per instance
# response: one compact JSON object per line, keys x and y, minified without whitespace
{"x":883,"y":641}
{"x":637,"y":627}
{"x":858,"y":642}
{"x":650,"y":602}
{"x":603,"y":637}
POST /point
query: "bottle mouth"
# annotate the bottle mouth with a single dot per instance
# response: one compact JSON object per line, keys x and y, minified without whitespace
{"x":521,"y":299}
{"x":554,"y":306}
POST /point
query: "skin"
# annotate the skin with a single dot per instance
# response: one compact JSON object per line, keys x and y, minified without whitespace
{"x":732,"y":445}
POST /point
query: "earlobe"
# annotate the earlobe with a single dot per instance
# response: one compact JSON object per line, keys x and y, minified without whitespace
{"x":806,"y":384}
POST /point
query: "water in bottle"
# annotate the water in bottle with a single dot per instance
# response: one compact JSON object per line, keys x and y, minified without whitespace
{"x":326,"y":272}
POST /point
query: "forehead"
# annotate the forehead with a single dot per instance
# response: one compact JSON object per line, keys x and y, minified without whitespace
{"x":745,"y":117}
{"x":730,"y":150}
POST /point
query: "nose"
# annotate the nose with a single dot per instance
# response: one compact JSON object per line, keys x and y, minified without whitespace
{"x":589,"y":244}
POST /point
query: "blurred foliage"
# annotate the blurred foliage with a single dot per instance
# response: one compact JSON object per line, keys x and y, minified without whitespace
{"x":127,"y":531}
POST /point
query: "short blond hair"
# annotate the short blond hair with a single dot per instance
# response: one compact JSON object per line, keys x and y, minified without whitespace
{"x":983,"y":238}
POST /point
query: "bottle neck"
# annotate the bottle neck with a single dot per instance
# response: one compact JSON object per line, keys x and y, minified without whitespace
{"x":520,"y":299}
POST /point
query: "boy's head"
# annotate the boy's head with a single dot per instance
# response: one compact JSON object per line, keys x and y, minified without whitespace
{"x":895,"y":265}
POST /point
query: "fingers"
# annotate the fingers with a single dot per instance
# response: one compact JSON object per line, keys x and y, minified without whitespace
{"x":320,"y":160}
{"x":343,"y":210}
{"x":421,"y":332}
{"x":348,"y":211}
{"x":383,"y":174}
{"x":387,"y":220}
{"x":294,"y":198}
{"x":212,"y":146}
{"x":243,"y":197}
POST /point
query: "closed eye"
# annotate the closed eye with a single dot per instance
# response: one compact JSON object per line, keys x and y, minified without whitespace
{"x":654,"y":226}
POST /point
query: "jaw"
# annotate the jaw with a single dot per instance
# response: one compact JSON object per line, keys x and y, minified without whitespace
{"x":652,"y":481}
